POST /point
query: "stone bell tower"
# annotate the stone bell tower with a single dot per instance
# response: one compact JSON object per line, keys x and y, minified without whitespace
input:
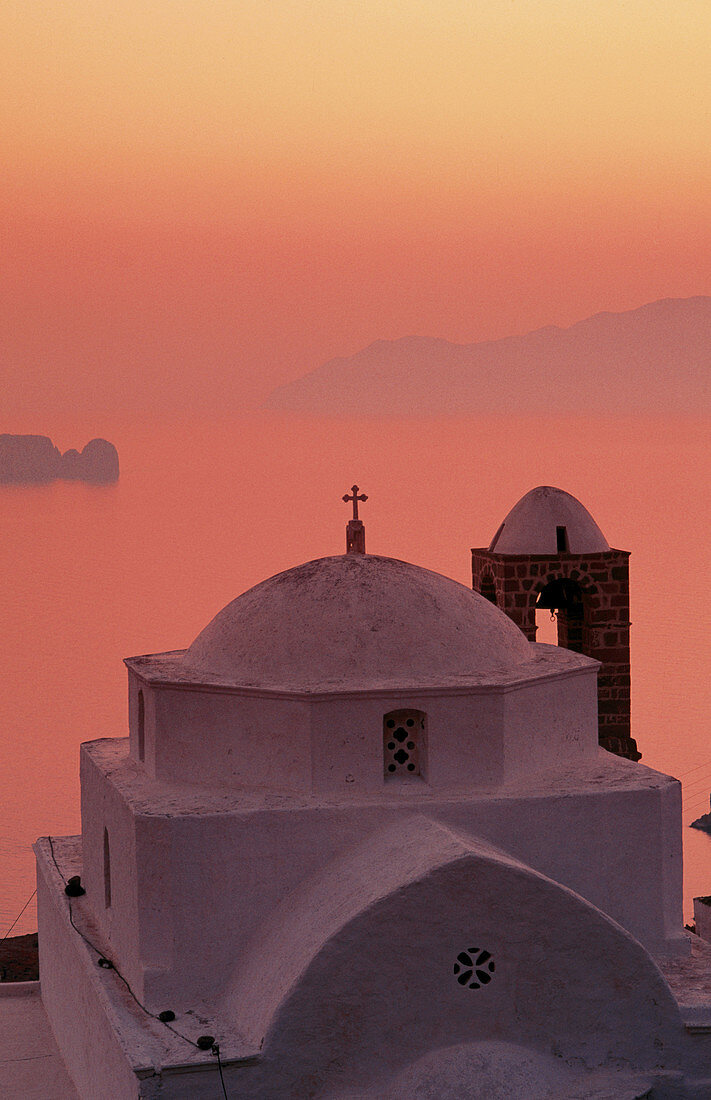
{"x":549,"y":553}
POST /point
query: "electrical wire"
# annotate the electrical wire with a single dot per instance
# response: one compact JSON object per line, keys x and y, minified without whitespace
{"x":695,"y":800}
{"x":695,"y":796}
{"x":706,"y":764}
{"x":692,"y":807}
{"x":696,"y":792}
{"x":19,"y":915}
{"x":698,"y":781}
{"x":699,"y":792}
{"x":215,"y":1049}
{"x":100,"y":955}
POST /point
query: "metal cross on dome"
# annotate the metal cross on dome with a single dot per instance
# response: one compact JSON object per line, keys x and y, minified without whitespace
{"x":354,"y":498}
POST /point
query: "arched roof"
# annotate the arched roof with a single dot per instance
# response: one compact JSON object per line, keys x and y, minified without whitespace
{"x":532,"y":526}
{"x":558,"y":958}
{"x":357,"y":621}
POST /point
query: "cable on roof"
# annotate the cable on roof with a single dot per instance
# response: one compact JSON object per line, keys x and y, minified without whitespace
{"x":161,"y":1017}
{"x":216,"y":1051}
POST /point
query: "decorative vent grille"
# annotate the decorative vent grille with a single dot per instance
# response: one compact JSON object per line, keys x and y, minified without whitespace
{"x":474,"y":967}
{"x":403,"y":743}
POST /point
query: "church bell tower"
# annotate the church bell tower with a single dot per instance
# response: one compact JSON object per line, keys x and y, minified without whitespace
{"x":549,"y":553}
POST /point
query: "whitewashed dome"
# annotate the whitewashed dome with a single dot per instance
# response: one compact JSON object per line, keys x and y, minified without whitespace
{"x":357,"y":621}
{"x":534,"y":524}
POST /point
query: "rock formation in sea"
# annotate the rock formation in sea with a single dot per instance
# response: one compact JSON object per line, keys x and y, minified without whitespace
{"x":703,"y":822}
{"x":28,"y":459}
{"x":97,"y":462}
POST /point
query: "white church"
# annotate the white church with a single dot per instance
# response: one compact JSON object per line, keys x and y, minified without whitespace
{"x":362,"y":842}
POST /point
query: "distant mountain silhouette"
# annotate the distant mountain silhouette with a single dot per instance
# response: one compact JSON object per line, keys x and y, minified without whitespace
{"x":655,"y":358}
{"x":35,"y":459}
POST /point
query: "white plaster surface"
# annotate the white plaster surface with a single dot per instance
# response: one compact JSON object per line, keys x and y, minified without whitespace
{"x":690,"y":981}
{"x":31,"y":1067}
{"x":287,"y":687}
{"x":110,"y":1046}
{"x":368,"y":986}
{"x":206,"y":860}
{"x":348,"y":978}
{"x":480,"y":734}
{"x":530,"y":526}
{"x":357,"y":621}
{"x":275,"y":889}
{"x":498,"y":1071}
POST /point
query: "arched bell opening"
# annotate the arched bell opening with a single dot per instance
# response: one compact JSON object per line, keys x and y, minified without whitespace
{"x":546,"y":625}
{"x":564,"y":600}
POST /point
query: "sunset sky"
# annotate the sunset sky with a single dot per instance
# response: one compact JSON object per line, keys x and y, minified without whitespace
{"x":201,"y":199}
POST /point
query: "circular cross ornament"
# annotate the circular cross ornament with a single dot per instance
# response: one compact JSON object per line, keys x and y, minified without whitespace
{"x":474,"y":967}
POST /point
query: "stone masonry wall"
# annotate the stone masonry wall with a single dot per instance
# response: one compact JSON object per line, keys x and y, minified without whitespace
{"x":603,"y":579}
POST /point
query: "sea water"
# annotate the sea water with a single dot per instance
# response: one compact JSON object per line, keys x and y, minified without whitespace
{"x":203,"y":510}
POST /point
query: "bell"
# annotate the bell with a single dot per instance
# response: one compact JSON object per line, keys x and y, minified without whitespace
{"x":547,"y":599}
{"x":560,"y":594}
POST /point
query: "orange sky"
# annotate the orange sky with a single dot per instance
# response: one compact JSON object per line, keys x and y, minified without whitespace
{"x":200,"y":199}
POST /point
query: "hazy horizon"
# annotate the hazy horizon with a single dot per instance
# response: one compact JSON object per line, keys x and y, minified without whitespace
{"x":426,"y":352}
{"x":199,"y":204}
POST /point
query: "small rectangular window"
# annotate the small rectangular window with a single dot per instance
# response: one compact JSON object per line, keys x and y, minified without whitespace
{"x":561,"y":534}
{"x":403,"y":743}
